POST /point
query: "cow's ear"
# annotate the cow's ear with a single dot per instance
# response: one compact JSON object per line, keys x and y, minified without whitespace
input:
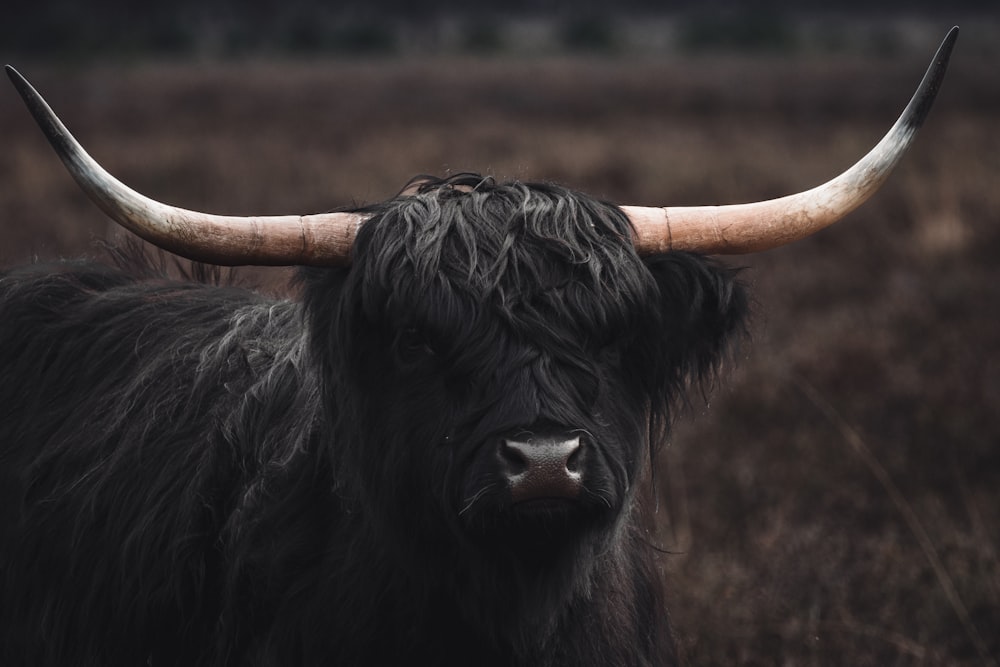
{"x":703,"y":309}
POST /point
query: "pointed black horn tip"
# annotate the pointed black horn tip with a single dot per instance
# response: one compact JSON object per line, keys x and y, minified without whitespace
{"x":13,"y":74}
{"x":938,"y":66}
{"x":25,"y":89}
{"x":920,"y":105}
{"x":944,"y":51}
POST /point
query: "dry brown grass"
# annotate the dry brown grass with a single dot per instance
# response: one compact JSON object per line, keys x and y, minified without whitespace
{"x":788,"y":548}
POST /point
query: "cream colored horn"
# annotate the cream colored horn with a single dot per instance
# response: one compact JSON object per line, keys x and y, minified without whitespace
{"x":318,"y":240}
{"x":743,"y":228}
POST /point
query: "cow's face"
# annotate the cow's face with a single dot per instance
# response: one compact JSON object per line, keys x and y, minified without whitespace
{"x":500,"y":358}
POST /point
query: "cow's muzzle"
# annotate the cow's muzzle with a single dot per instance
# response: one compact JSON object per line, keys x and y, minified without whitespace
{"x":542,"y":467}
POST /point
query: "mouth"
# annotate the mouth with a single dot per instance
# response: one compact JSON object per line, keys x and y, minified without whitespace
{"x":546,"y":509}
{"x":535,"y":526}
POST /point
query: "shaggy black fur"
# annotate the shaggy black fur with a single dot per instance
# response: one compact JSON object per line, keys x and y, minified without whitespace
{"x":199,"y":475}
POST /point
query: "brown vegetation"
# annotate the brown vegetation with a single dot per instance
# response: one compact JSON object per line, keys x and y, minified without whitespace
{"x":837,"y":501}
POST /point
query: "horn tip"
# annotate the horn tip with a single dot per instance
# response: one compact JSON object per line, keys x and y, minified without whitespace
{"x":949,"y":41}
{"x":24,"y":88}
{"x":920,"y":105}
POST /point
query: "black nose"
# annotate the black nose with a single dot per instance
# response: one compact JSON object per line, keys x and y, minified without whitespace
{"x":542,"y":466}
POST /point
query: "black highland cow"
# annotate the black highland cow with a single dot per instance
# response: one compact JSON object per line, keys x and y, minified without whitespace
{"x":432,"y":458}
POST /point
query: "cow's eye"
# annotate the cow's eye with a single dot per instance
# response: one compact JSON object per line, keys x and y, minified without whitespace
{"x":413,"y":345}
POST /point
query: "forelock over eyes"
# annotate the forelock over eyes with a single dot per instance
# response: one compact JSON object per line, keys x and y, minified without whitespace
{"x":535,"y":253}
{"x":504,"y":243}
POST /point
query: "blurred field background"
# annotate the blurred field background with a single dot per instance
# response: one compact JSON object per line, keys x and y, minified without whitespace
{"x":837,"y":501}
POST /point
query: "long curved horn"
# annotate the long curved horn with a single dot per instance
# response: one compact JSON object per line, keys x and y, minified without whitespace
{"x":319,"y":240}
{"x":744,"y":228}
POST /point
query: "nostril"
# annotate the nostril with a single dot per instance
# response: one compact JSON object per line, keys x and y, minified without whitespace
{"x":512,"y":458}
{"x":573,"y":462}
